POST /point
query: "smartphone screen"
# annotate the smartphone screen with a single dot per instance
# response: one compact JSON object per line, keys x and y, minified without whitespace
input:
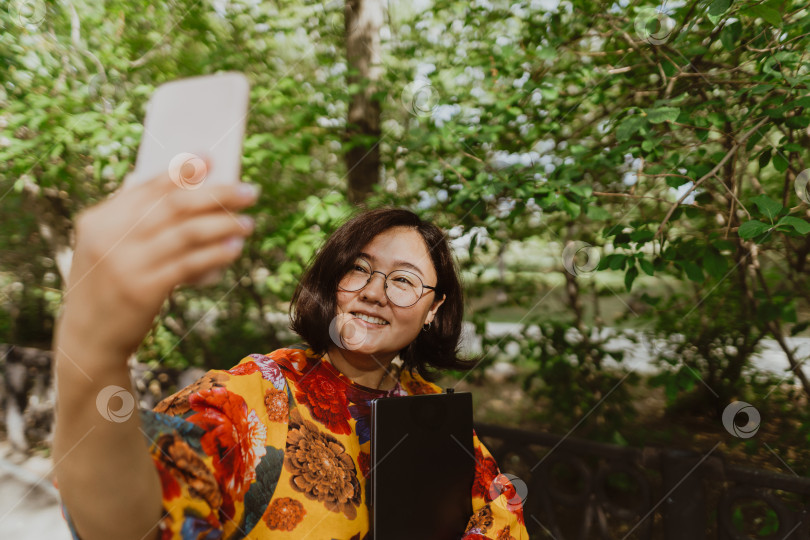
{"x":189,"y":120}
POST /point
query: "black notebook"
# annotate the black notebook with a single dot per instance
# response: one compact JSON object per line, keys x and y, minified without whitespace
{"x":422,"y":466}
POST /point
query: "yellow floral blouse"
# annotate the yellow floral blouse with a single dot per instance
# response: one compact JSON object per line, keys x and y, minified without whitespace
{"x":278,"y":447}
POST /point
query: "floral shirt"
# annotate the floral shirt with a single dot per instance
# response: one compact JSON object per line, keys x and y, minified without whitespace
{"x":278,"y":447}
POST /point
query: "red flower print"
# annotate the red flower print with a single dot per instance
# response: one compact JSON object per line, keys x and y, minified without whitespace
{"x":518,"y":511}
{"x":284,"y":514}
{"x":293,"y":359}
{"x":234,"y":437}
{"x":245,"y":368}
{"x":501,"y":485}
{"x":325,"y":399}
{"x":166,"y":529}
{"x":364,"y":463}
{"x":177,"y":403}
{"x":416,"y":387}
{"x":485,"y":472}
{"x":171,"y":488}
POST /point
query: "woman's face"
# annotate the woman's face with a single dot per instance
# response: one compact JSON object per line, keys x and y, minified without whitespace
{"x":398,"y":248}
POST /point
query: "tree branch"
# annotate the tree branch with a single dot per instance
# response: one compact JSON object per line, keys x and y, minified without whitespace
{"x":776,"y":331}
{"x":739,"y":142}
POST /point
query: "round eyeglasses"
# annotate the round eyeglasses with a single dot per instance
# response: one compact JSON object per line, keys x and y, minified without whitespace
{"x":402,"y":288}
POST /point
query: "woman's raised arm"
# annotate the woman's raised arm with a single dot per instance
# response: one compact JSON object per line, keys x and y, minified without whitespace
{"x":131,"y":251}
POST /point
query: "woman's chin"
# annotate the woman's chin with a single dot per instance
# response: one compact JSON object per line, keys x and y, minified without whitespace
{"x":369,"y":347}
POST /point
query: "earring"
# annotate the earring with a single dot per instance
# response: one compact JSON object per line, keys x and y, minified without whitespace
{"x":426,"y":327}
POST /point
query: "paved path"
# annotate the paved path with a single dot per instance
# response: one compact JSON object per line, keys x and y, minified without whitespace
{"x":29,"y":504}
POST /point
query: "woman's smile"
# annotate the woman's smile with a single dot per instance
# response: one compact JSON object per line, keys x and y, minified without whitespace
{"x":369,"y":320}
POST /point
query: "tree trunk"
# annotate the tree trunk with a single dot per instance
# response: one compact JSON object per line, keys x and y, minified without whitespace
{"x":54,"y":222}
{"x":31,"y":396}
{"x":364,"y":18}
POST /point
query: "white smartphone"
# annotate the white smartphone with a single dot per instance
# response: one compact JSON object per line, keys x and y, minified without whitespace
{"x":191,"y":120}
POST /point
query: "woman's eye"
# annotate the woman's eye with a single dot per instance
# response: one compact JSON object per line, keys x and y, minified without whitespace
{"x":361,"y":269}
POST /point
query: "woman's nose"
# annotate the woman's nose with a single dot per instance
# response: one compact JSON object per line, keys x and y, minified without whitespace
{"x":375,"y":288}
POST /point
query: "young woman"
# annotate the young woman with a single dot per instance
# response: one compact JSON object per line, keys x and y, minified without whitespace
{"x":277,"y":446}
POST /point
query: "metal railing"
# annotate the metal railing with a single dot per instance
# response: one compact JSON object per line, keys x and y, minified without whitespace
{"x":583,"y":490}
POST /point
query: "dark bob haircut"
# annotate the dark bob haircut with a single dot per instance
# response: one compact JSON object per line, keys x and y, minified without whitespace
{"x":314,"y":303}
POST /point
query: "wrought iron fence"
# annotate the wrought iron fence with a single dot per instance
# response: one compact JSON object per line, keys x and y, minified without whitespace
{"x":578,"y":490}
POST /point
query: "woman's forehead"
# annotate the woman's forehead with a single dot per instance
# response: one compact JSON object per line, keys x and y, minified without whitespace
{"x":398,"y":264}
{"x":400,"y":247}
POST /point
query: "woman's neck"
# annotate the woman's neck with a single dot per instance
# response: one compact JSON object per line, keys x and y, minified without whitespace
{"x":367,"y":370}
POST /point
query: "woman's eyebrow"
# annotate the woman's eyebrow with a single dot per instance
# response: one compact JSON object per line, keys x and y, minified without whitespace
{"x":397,"y":264}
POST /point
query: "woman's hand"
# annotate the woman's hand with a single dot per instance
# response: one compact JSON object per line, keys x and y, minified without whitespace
{"x":134,"y":248}
{"x":131,"y":251}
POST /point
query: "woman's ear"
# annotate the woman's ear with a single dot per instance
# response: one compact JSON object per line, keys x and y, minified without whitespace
{"x":433,"y":309}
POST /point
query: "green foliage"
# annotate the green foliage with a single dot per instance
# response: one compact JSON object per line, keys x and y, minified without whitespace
{"x":709,"y":340}
{"x":673,"y":145}
{"x":680,"y":149}
{"x":568,"y":379}
{"x":72,"y":91}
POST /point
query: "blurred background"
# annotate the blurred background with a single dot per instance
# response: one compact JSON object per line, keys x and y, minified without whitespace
{"x":624,"y":185}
